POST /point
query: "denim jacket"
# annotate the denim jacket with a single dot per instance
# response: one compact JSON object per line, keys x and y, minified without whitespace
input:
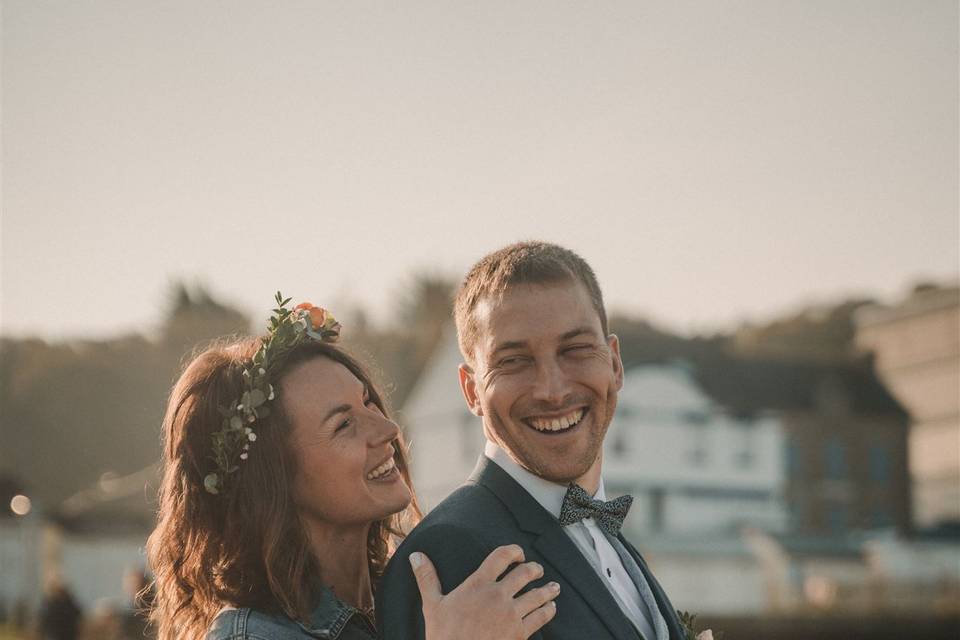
{"x":330,"y":620}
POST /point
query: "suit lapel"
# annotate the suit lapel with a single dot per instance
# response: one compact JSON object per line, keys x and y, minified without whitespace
{"x":666,"y":608}
{"x":555,"y":546}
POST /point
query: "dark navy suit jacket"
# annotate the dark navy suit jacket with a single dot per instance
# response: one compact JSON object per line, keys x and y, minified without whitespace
{"x":491,"y":510}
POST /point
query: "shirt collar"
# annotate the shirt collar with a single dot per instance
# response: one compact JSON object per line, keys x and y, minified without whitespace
{"x":548,"y":494}
{"x":330,"y":616}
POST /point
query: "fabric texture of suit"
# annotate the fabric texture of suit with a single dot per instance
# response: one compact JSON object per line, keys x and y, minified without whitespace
{"x":491,"y":510}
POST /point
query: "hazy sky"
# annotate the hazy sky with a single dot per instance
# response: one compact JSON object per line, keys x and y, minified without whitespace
{"x":713,"y":161}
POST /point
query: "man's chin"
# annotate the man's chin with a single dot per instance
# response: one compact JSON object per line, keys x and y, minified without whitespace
{"x":558,"y":474}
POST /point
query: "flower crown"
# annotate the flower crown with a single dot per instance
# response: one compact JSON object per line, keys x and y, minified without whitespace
{"x":287,"y":329}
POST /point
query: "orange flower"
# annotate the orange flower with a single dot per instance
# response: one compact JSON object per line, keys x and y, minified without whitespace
{"x":318,"y":315}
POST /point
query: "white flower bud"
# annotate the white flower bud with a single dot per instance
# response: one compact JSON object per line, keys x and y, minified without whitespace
{"x":251,"y":436}
{"x":244,"y":456}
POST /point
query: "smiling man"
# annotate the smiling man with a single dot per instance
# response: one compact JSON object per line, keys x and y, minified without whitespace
{"x":542,"y":371}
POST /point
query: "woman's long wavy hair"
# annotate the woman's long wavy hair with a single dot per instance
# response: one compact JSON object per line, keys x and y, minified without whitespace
{"x":245,"y":546}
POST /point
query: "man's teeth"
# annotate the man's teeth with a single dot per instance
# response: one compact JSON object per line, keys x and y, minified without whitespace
{"x":382,"y":470}
{"x":557,"y":424}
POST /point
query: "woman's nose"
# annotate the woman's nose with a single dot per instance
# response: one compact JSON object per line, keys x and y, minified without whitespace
{"x":384,"y":430}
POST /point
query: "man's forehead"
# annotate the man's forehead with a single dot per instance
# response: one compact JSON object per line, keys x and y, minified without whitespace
{"x":528,"y":311}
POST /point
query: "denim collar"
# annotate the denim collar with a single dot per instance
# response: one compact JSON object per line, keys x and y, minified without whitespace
{"x":331,"y":615}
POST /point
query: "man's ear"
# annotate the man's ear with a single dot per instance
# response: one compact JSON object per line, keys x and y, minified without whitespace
{"x":614,"y":343}
{"x":468,"y":385}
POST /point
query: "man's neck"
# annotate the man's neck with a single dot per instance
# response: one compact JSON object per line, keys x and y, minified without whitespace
{"x":591,"y":479}
{"x":548,"y":493}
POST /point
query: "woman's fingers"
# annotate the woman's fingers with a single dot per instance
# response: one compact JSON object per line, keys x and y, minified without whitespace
{"x":538,"y":618}
{"x":520,"y":576}
{"x":427,"y":580}
{"x":532,"y":600}
{"x":497,"y":562}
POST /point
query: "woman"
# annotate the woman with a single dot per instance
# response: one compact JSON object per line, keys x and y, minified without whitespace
{"x":285,"y":488}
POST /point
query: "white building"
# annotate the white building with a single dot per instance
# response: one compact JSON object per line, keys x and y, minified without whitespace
{"x":692,"y":467}
{"x":445,"y":438}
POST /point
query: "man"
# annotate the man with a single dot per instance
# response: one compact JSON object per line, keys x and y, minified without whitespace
{"x":542,"y":371}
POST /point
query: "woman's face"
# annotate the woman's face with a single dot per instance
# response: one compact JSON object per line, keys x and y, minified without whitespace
{"x":344,"y":447}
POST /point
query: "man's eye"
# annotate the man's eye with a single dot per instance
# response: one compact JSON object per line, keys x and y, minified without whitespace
{"x":343,"y":425}
{"x":578,"y":348}
{"x":511,"y":361}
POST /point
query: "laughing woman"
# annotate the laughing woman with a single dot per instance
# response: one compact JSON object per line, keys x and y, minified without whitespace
{"x":285,"y":489}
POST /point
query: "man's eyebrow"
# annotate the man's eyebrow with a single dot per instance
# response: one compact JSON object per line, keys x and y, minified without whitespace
{"x":573,"y":333}
{"x":343,"y":408}
{"x":508,"y":345}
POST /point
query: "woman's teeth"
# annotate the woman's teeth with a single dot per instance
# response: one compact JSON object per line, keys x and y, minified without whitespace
{"x":557,"y":424}
{"x":382,"y":470}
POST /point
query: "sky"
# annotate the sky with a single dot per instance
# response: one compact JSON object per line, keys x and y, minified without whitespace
{"x":715,"y":162}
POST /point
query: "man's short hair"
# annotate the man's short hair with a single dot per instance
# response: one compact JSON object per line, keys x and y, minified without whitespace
{"x":519,"y":263}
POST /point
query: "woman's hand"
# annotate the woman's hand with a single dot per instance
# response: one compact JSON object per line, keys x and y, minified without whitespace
{"x":483,"y":608}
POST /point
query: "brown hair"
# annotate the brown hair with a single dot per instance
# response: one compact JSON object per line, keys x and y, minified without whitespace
{"x":246,"y":546}
{"x":519,"y":263}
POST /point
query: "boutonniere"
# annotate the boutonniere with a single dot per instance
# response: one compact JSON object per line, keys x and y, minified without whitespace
{"x":689,"y":623}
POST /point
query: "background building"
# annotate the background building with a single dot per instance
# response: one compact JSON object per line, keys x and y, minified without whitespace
{"x":916,"y":344}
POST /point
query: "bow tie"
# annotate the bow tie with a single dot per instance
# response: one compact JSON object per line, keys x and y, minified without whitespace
{"x":577,"y":505}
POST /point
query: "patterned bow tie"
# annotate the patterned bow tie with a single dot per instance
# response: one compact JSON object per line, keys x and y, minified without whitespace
{"x":578,"y":504}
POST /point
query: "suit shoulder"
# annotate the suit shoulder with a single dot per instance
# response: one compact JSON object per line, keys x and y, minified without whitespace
{"x":471,"y":506}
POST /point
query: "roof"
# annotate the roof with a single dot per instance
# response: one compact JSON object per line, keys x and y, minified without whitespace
{"x":750,"y":385}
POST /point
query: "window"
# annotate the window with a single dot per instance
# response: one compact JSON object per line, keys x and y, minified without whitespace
{"x":656,"y":509}
{"x":698,"y":444}
{"x":880,"y":518}
{"x":792,"y":455}
{"x":880,"y":464}
{"x":744,"y":455}
{"x":837,"y":518}
{"x":618,"y":442}
{"x":836,"y":465}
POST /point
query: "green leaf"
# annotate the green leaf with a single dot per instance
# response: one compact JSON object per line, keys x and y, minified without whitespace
{"x":256,"y":397}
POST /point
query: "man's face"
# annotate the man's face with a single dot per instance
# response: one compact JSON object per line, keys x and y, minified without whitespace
{"x":544,"y":378}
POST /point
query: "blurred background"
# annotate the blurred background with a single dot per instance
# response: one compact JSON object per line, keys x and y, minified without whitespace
{"x":767,"y":190}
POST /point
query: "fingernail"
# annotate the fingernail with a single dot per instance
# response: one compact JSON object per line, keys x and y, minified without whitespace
{"x":416,"y":559}
{"x":554,"y":586}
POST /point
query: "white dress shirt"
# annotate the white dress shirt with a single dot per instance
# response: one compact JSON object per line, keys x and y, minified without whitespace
{"x":589,"y":539}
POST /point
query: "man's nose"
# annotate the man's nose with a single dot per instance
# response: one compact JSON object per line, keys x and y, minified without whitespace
{"x":551,"y":385}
